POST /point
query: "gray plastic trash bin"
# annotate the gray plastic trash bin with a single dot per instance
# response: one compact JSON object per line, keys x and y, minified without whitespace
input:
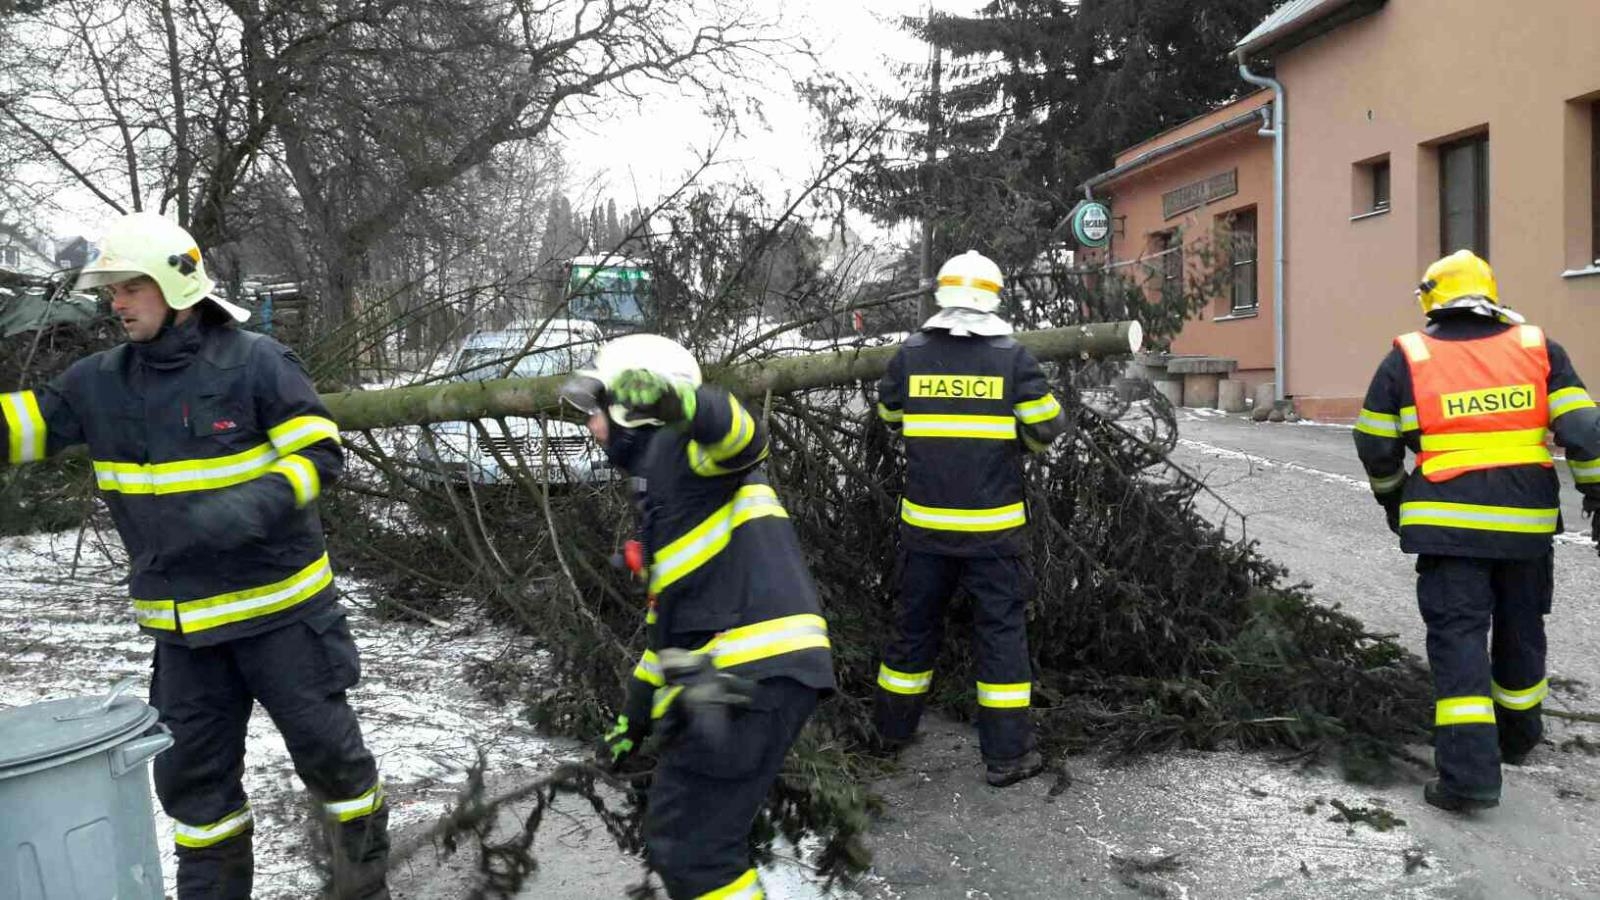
{"x":75,"y":816}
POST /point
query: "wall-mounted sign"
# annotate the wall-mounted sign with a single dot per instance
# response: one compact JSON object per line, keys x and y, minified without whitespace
{"x":1091,"y":223}
{"x":1190,"y":196}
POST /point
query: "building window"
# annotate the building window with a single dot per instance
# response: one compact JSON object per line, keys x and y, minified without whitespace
{"x":9,"y":257}
{"x":1239,"y":231}
{"x":1170,"y":246}
{"x":1380,"y":185}
{"x":1464,"y":196}
{"x":1594,"y":181}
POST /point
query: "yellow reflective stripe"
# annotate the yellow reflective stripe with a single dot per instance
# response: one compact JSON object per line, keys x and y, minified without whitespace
{"x":663,"y":700}
{"x":650,"y":616}
{"x":745,"y":887}
{"x":981,"y":284}
{"x":1481,"y":440}
{"x":1515,"y":519}
{"x":904,"y":682}
{"x":1414,"y":347}
{"x":1384,"y":425}
{"x":205,"y":835}
{"x":1035,"y":411}
{"x":1568,"y":399}
{"x":649,"y":669}
{"x":25,"y":428}
{"x":161,"y":615}
{"x":739,"y":433}
{"x":1408,"y":418}
{"x":1004,"y":696}
{"x":764,"y":640}
{"x":237,"y":606}
{"x":702,"y":463}
{"x":1463,"y":711}
{"x":890,"y":415}
{"x":184,"y":475}
{"x":302,"y":477}
{"x":1388,"y":483}
{"x":365,"y":805}
{"x":1002,"y":428}
{"x":1524,"y":699}
{"x":301,"y":432}
{"x":710,"y":537}
{"x":1493,"y":456}
{"x":937,"y":518}
{"x":1531,"y":335}
{"x":1584,"y":471}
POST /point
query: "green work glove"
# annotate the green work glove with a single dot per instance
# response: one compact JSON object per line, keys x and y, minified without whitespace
{"x":631,"y":728}
{"x":655,"y":396}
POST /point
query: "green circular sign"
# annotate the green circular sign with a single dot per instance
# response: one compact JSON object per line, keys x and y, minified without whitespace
{"x":1091,"y":224}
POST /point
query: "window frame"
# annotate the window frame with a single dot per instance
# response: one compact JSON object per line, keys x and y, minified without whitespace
{"x":1477,"y":146}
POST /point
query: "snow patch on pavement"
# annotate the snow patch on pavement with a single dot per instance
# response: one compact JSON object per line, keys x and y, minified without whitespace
{"x":67,"y":630}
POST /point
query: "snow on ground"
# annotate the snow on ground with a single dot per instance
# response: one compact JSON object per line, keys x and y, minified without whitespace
{"x":68,"y":631}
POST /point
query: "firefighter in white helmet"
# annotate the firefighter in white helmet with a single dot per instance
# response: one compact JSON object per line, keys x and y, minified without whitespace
{"x":737,"y":652}
{"x":971,"y":402}
{"x":210,"y":447}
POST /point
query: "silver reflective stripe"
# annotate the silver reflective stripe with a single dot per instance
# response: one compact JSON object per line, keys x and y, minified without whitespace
{"x":366,"y":804}
{"x":1526,"y":699}
{"x":206,"y":835}
{"x":917,"y":516}
{"x":744,"y":646}
{"x":198,"y":617}
{"x":1380,"y":485}
{"x":1371,"y":423}
{"x":989,"y":695}
{"x":916,"y":683}
{"x":726,"y":518}
{"x":1417,"y":513}
{"x":113,"y":476}
{"x":19,"y":412}
{"x":936,"y":426}
{"x":1584,"y":471}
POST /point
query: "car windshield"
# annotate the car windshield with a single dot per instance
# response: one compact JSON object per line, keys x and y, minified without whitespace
{"x":484,"y":363}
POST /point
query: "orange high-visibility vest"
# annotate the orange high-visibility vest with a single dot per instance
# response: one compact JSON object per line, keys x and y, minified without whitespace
{"x":1481,"y":404}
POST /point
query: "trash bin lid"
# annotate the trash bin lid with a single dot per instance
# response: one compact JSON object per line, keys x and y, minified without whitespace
{"x":53,"y":728}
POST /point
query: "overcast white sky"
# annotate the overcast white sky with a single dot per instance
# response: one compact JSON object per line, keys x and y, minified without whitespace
{"x":642,"y":152}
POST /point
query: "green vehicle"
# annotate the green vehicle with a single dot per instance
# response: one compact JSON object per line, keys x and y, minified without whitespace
{"x":614,"y":292}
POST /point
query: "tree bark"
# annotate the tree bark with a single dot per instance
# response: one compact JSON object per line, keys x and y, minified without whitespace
{"x":465,"y":401}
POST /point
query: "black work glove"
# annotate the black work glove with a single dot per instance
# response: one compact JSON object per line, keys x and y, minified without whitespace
{"x":1391,"y":516}
{"x":631,"y":728}
{"x":1591,"y":508}
{"x":228,"y":518}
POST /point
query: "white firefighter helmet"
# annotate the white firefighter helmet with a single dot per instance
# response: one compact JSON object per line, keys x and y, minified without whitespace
{"x":587,"y":389}
{"x":145,"y":243}
{"x":969,"y":281}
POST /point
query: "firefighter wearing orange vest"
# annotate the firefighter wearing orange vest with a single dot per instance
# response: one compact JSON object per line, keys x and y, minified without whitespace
{"x":1474,"y":395}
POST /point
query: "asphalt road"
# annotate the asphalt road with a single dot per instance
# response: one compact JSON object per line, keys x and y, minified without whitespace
{"x":1227,"y":825}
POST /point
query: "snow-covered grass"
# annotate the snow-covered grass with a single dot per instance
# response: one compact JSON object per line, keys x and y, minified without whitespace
{"x":67,"y":630}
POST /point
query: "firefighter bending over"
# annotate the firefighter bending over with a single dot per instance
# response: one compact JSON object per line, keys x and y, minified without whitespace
{"x":737,"y":650}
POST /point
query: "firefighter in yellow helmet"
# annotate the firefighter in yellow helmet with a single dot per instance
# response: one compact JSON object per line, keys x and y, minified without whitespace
{"x":1474,"y":395}
{"x":737,"y":652}
{"x":970,"y":402}
{"x":210,"y":447}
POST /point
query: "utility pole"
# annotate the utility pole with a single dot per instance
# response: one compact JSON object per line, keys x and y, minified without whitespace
{"x":930,"y":157}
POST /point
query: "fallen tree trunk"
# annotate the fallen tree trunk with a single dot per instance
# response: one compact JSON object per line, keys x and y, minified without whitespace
{"x":468,"y":400}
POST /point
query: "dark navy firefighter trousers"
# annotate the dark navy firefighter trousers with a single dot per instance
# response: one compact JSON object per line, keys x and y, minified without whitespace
{"x":299,"y":673}
{"x":1486,"y":703}
{"x":1000,"y":587}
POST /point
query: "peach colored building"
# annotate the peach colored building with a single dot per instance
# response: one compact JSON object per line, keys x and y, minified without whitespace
{"x":1413,"y":128}
{"x":1170,"y":196}
{"x":1400,"y":150}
